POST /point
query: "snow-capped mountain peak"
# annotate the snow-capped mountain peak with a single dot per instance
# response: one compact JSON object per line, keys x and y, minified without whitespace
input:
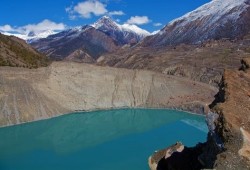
{"x":217,"y":19}
{"x":134,"y":28}
{"x":32,"y":36}
{"x":35,"y":36}
{"x":123,"y":34}
{"x":217,"y":8}
{"x":105,"y":22}
{"x":105,"y":35}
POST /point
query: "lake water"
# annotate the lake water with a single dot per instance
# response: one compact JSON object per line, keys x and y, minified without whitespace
{"x":102,"y":140}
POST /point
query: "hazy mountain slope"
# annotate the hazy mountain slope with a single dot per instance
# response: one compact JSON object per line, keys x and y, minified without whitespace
{"x":15,"y":52}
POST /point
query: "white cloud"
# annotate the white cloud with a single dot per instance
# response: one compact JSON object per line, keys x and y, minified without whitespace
{"x":45,"y":25}
{"x":6,"y":28}
{"x":138,"y":20}
{"x":87,"y":8}
{"x":116,"y":13}
{"x":71,"y":13}
{"x":157,"y":24}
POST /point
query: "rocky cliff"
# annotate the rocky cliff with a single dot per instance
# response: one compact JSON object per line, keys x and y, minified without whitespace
{"x":233,"y":123}
{"x":27,"y":95}
{"x":228,"y":144}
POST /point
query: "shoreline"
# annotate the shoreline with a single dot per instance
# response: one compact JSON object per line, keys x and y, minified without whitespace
{"x":96,"y":110}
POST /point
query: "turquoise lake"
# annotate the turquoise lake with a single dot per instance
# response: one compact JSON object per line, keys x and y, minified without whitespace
{"x":102,"y":140}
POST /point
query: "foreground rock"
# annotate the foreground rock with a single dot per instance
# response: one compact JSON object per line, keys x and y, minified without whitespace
{"x":228,"y":145}
{"x":176,"y":157}
{"x":28,"y":95}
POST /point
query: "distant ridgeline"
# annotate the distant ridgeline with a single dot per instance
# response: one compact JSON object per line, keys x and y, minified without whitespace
{"x":15,"y":52}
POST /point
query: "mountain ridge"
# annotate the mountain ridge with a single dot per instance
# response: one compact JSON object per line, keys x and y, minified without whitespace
{"x":104,"y":36}
{"x":214,"y":20}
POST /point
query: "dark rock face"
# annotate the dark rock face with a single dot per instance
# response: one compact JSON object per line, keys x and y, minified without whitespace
{"x":215,"y":20}
{"x":188,"y":159}
{"x":177,"y":157}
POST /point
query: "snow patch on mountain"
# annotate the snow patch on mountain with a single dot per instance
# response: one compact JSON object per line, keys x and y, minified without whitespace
{"x":155,"y":32}
{"x":216,"y":8}
{"x":107,"y":23}
{"x":134,"y":28}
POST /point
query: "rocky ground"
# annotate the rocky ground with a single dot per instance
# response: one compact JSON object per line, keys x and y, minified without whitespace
{"x":228,"y":145}
{"x":233,"y":125}
{"x":204,"y":62}
{"x":63,"y":87}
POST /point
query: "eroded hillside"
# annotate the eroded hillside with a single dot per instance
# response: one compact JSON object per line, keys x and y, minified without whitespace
{"x":33,"y":94}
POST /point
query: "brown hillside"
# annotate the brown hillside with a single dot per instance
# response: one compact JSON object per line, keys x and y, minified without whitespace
{"x":17,"y":53}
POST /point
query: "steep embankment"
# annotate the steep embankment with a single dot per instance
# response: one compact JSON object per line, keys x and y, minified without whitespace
{"x":233,"y":124}
{"x":27,"y":95}
{"x":17,"y":53}
{"x":228,"y":145}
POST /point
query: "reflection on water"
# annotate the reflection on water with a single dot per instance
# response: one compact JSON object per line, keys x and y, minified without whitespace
{"x":79,"y":134}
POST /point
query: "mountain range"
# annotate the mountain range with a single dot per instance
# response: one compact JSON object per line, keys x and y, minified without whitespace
{"x":198,"y":45}
{"x":87,"y":43}
{"x":213,"y":21}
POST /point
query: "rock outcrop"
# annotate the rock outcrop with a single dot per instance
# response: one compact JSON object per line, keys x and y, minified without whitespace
{"x":63,"y":87}
{"x":233,"y":124}
{"x":228,"y":142}
{"x":170,"y":158}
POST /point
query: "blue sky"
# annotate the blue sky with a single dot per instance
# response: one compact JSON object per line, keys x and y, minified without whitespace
{"x":26,"y":15}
